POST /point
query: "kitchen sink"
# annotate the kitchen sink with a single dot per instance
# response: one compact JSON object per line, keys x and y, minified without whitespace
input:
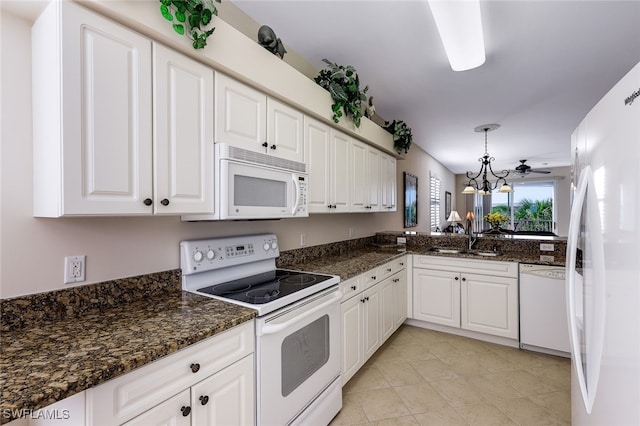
{"x":447,"y":250}
{"x":486,"y":253}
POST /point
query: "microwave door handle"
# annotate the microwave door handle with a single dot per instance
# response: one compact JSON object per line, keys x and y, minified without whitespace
{"x":296,"y":188}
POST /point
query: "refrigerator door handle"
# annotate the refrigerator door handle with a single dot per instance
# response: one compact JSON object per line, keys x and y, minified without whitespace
{"x":595,"y":323}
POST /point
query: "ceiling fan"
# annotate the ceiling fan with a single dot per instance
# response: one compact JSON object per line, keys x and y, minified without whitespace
{"x":524,"y":169}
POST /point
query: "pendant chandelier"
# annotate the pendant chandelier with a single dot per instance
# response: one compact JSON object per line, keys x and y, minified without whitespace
{"x":480,"y":182}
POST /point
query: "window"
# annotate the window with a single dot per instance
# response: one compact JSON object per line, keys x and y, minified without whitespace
{"x":529,"y":207}
{"x":434,"y":202}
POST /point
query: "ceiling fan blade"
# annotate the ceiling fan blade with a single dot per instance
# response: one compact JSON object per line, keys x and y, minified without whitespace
{"x":546,"y":172}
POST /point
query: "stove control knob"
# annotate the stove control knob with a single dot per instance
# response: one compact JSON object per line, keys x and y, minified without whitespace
{"x":274,"y":245}
{"x":197,"y":256}
{"x":211,"y":254}
{"x":266,"y":246}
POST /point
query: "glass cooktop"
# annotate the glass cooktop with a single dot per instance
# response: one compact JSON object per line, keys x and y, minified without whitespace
{"x":265,"y":287}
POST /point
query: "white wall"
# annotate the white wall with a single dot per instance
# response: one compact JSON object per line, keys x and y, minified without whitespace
{"x":32,"y":250}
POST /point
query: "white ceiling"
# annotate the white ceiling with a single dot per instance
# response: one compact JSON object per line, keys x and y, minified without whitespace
{"x":548,"y":63}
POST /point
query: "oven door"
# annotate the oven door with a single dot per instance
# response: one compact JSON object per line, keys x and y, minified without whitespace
{"x":298,"y":357}
{"x":250,"y":191}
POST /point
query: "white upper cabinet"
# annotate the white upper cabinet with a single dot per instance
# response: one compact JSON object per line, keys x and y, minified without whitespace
{"x":358,"y":177}
{"x":92,"y":115}
{"x":327,"y":159}
{"x":373,"y":179}
{"x":118,"y":130}
{"x":285,"y":131}
{"x":183,"y":134}
{"x":388,"y":183}
{"x":246,"y":118}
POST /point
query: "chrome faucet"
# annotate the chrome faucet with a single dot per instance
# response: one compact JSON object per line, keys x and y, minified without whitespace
{"x":469,"y":231}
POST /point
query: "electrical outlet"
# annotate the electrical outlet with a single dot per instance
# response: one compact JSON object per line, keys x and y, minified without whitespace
{"x":352,"y":232}
{"x":74,"y":269}
{"x":546,"y":247}
{"x":401,"y":240}
{"x":303,"y":240}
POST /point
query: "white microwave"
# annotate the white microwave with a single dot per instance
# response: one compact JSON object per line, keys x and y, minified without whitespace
{"x":252,"y":185}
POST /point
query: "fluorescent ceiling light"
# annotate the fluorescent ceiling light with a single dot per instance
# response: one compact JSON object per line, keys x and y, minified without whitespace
{"x":460,"y":28}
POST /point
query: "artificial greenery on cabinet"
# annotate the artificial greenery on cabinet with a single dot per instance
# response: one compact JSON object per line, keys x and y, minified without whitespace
{"x":402,"y":137}
{"x":190,"y":18}
{"x":343,"y":85}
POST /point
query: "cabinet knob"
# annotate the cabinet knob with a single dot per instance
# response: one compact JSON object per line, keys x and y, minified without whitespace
{"x":272,"y":147}
{"x":456,"y":278}
{"x":353,"y":287}
{"x":185,"y":411}
{"x":464,"y":279}
{"x":148,"y":201}
{"x":195,"y":367}
{"x":401,"y":263}
{"x":265,"y":144}
{"x":164,"y":202}
{"x":373,"y":277}
{"x":366,"y":298}
{"x":368,"y":207}
{"x":362,"y":300}
{"x":204,"y":399}
{"x":388,"y":269}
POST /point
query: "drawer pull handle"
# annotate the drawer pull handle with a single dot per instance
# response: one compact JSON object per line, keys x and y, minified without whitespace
{"x":272,"y":147}
{"x":204,"y":399}
{"x":195,"y":367}
{"x":185,"y":411}
{"x":265,"y":144}
{"x":388,"y":269}
{"x":353,"y":287}
{"x":373,"y":277}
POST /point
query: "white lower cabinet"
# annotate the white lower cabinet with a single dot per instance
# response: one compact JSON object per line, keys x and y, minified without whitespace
{"x":208,"y":383}
{"x":479,"y":296}
{"x":373,"y":307}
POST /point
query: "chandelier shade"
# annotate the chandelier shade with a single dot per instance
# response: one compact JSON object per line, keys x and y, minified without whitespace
{"x":480,"y":183}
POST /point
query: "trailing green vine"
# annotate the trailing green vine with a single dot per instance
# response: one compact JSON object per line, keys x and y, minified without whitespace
{"x":343,"y":85}
{"x":189,"y":17}
{"x":402,"y":137}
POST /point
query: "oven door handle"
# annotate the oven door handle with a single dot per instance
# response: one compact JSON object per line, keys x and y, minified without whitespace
{"x":271,"y":328}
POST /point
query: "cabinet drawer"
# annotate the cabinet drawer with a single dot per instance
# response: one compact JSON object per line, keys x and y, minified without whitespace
{"x":126,"y":396}
{"x":351,"y":287}
{"x":486,"y":267}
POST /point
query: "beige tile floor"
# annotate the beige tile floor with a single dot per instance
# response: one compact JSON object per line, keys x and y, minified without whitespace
{"x":423,"y":377}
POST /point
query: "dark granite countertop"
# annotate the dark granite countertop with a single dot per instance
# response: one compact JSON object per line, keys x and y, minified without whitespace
{"x":354,"y":262}
{"x":44,"y":362}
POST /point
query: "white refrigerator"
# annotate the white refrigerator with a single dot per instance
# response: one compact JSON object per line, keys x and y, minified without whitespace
{"x":603,"y":261}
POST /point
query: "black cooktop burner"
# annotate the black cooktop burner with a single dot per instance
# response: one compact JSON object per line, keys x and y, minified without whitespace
{"x":266,"y":287}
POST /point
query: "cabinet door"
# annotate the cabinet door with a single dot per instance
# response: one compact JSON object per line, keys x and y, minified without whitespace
{"x":373,"y":178}
{"x":241,"y":114}
{"x":490,"y":305}
{"x":91,"y":114}
{"x":358,"y":171}
{"x":387,"y":183}
{"x":352,"y":337}
{"x":400,"y":298}
{"x":174,"y":411}
{"x":387,"y":308}
{"x":372,"y":326}
{"x":318,"y":159}
{"x":227,"y":397}
{"x":340,"y":179}
{"x":285,"y":131}
{"x":436,"y":296}
{"x":183,"y":134}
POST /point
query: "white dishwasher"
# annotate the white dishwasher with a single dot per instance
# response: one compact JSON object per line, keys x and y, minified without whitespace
{"x":543,"y":310}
